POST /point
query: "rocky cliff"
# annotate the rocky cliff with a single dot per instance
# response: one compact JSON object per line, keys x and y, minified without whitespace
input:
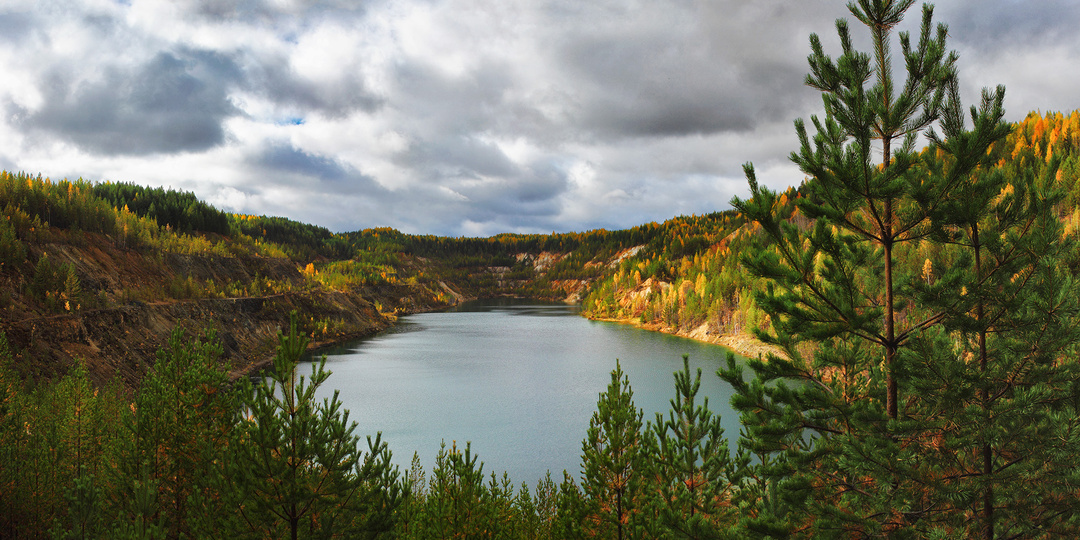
{"x":129,"y":301}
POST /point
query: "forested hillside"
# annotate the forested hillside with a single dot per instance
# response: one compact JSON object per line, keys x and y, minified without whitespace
{"x":78,"y":258}
{"x":701,"y":290}
{"x":88,"y":273}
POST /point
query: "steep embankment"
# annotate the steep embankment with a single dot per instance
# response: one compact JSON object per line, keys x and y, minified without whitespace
{"x":687,"y":282}
{"x":129,"y":301}
{"x":119,"y":304}
{"x":726,"y":333}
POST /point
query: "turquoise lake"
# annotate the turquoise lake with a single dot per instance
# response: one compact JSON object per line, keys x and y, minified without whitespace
{"x":519,"y":380}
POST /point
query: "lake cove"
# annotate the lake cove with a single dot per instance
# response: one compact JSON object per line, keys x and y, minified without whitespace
{"x":517,"y":379}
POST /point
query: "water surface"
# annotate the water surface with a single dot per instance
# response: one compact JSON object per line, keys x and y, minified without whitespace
{"x":519,"y":380}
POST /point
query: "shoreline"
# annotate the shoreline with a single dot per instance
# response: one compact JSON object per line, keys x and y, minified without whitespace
{"x":742,"y":344}
{"x":316,"y":345}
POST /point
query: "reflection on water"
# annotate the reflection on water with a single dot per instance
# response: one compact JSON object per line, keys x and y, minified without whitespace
{"x":516,"y":306}
{"x":518,"y":379}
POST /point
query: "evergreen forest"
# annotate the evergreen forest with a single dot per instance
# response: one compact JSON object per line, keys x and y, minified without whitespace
{"x":914,"y":300}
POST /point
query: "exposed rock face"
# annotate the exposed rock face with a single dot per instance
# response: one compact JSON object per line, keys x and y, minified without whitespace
{"x":123,"y":341}
{"x":544,"y":261}
{"x":133,"y":316}
{"x":573,"y":290}
{"x":624,"y":254}
{"x":131,"y":306}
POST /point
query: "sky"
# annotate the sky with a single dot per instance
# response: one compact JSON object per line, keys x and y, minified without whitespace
{"x":460,"y":117}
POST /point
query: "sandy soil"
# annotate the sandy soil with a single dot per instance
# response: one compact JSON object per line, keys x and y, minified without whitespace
{"x":742,"y":343}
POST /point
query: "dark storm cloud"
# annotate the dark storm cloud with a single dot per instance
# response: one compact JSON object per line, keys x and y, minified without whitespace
{"x":245,"y":10}
{"x":997,"y":25}
{"x":229,"y":9}
{"x":282,"y":164}
{"x":704,"y":72}
{"x":480,"y":184}
{"x":274,"y":79}
{"x":467,"y":103}
{"x":546,"y":182}
{"x":457,"y":157}
{"x":638,"y":94}
{"x":287,"y":158}
{"x":175,"y":102}
{"x":448,"y":119}
{"x":517,"y":200}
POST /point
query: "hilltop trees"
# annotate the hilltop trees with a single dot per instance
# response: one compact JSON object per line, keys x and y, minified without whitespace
{"x":895,"y":376}
{"x":181,"y":211}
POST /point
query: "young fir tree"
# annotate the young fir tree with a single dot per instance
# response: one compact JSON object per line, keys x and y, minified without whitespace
{"x":182,"y":417}
{"x":691,"y":466}
{"x":855,"y":422}
{"x":613,"y":462}
{"x":297,"y":469}
{"x":545,"y":507}
{"x":571,"y":511}
{"x":456,"y":500}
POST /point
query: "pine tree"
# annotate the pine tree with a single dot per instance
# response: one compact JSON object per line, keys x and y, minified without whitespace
{"x":570,"y":511}
{"x":12,"y":250}
{"x":66,"y":454}
{"x":863,"y":422}
{"x":298,"y":467}
{"x":1000,"y":364}
{"x":456,"y":498}
{"x":13,"y":419}
{"x":183,"y":415}
{"x":613,"y":461}
{"x":691,"y":464}
{"x":72,"y":293}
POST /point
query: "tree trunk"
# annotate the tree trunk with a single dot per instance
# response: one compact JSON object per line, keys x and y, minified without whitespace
{"x":984,"y":393}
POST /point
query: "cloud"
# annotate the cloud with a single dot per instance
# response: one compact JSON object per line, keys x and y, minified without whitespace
{"x":459,"y":116}
{"x":993,"y":26}
{"x":524,"y":198}
{"x":681,"y":69}
{"x":15,"y":26}
{"x":283,"y":158}
{"x":322,"y":72}
{"x":281,"y":165}
{"x":456,"y":157}
{"x":175,"y":102}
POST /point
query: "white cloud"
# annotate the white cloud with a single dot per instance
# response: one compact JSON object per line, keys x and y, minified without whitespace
{"x":456,"y":116}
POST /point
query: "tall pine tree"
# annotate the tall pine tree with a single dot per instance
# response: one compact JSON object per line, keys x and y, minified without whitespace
{"x":182,"y":416}
{"x":1000,"y":367}
{"x":889,"y":380}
